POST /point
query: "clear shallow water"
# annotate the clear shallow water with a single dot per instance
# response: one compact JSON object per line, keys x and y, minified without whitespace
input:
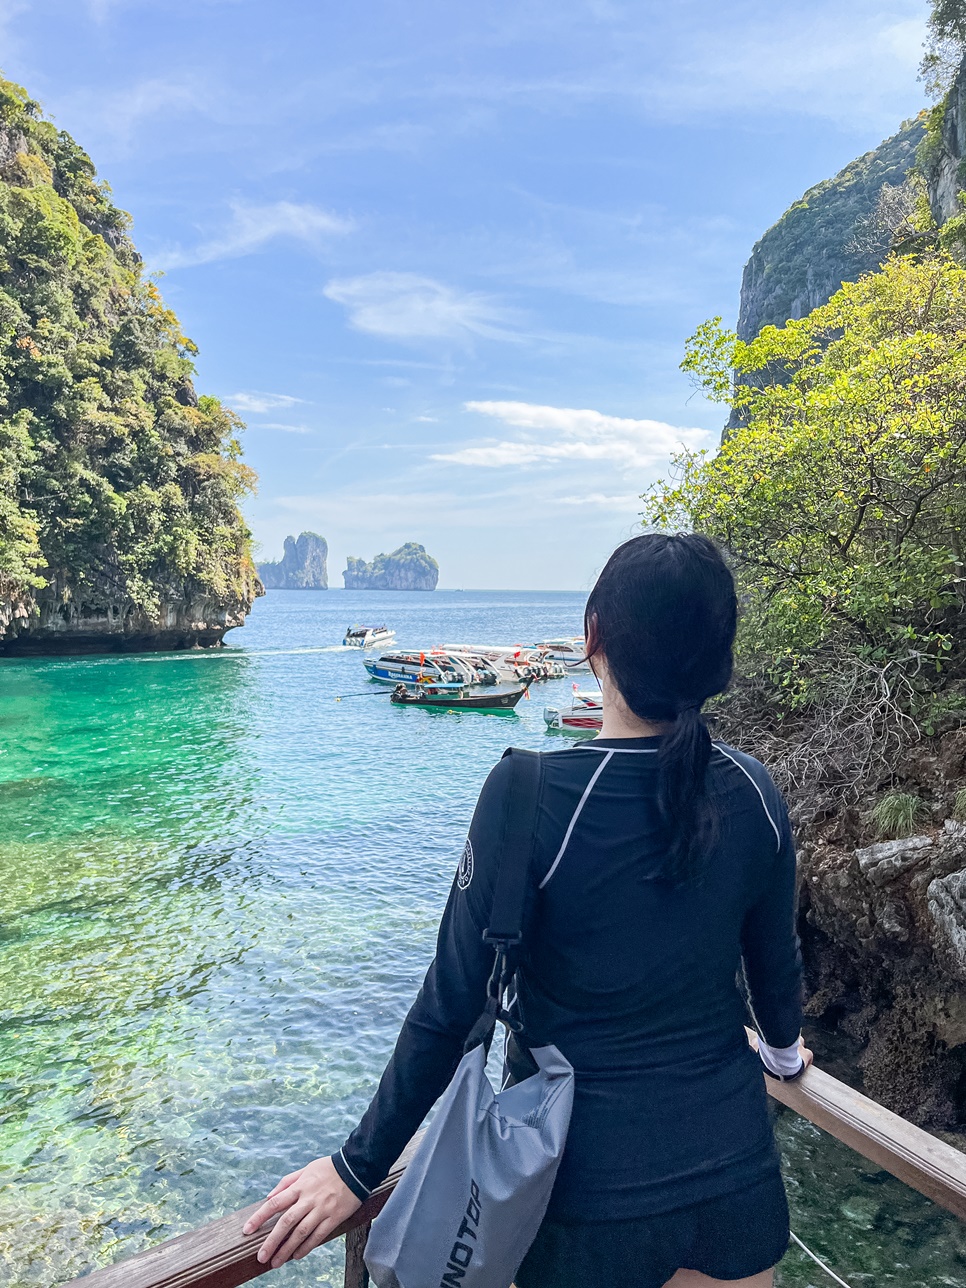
{"x":218,"y":893}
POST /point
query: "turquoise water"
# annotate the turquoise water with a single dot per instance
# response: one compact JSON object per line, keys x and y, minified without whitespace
{"x":218,"y":893}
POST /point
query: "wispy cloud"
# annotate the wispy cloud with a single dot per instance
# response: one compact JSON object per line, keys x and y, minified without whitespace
{"x":253,"y":226}
{"x":288,"y":429}
{"x":408,"y":307}
{"x":252,"y":400}
{"x":830,"y":63}
{"x":575,"y":434}
{"x":603,"y":501}
{"x":851,"y":63}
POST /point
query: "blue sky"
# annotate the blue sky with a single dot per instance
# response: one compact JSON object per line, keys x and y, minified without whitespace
{"x":443,"y":256}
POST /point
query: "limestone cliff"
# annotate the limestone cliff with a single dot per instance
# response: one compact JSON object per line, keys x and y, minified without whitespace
{"x":408,"y":568}
{"x":803,"y":259}
{"x":61,"y":621}
{"x":303,"y":565}
{"x":120,"y":525}
{"x":943,"y":152}
{"x":884,"y":934}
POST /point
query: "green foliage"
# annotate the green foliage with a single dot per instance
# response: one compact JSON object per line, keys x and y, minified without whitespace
{"x":930,"y":147}
{"x":945,"y":45}
{"x":959,"y":805}
{"x":113,"y":474}
{"x":897,"y":814}
{"x":842,"y":495}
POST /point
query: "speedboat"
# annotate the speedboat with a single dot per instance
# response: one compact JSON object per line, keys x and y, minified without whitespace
{"x":360,"y":636}
{"x":586,"y":712}
{"x":412,"y":667}
{"x":513,"y":661}
{"x":569,"y":650}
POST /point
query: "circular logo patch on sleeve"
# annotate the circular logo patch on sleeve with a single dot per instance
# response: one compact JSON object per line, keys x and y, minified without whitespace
{"x":464,"y":873}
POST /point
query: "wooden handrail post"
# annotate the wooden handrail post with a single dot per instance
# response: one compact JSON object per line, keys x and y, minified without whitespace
{"x":356,"y":1272}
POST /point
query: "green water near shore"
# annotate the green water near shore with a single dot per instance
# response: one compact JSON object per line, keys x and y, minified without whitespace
{"x":218,"y":893}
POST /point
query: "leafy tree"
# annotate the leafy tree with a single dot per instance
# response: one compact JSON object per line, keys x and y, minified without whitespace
{"x":842,"y":496}
{"x":117,"y":482}
{"x":945,"y":45}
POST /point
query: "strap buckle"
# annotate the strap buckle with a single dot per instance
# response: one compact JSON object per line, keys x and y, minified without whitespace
{"x":502,"y":941}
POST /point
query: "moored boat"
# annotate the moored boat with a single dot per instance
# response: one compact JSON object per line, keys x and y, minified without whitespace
{"x":429,"y":695}
{"x":569,"y":650}
{"x":513,"y":661}
{"x":412,"y":667}
{"x":585,"y":713}
{"x":359,"y":636}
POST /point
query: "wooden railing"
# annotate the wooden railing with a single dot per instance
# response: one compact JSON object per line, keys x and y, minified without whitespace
{"x":218,"y":1255}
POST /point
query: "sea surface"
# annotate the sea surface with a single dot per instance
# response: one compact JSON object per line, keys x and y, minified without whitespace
{"x":219,"y":886}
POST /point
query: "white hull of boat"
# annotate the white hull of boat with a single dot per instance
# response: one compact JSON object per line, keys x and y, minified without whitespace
{"x":413,"y":669}
{"x":368,"y":636}
{"x":568,"y":651}
{"x":512,"y":661}
{"x":584,"y":713}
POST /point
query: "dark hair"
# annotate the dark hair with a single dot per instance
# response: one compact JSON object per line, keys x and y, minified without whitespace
{"x":663,"y":613}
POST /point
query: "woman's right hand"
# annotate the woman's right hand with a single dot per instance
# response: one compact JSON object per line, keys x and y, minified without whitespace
{"x":313,"y":1201}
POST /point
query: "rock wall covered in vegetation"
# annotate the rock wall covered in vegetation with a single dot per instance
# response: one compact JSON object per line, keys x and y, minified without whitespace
{"x":119,"y":486}
{"x":408,"y":568}
{"x":817,"y":244}
{"x":841,"y":497}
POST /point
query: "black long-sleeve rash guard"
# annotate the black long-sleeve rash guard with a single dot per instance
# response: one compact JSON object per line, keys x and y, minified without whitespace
{"x":633,"y":979}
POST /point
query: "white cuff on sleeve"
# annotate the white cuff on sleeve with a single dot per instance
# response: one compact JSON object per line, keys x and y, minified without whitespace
{"x":783,"y":1062}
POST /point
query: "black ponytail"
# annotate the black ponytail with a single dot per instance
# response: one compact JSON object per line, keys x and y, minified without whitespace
{"x":663,"y":614}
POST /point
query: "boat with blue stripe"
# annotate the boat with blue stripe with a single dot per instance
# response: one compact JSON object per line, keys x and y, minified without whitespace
{"x":440,"y":669}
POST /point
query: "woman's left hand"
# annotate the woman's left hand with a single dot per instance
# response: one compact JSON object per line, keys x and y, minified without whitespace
{"x":313,"y":1201}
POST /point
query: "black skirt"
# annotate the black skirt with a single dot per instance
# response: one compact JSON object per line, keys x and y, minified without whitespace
{"x":732,"y":1237}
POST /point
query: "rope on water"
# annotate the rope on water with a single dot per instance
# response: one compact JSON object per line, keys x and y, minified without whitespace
{"x":818,"y":1261}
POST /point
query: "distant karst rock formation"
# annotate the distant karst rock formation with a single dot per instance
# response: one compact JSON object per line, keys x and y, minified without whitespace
{"x":803,"y":259}
{"x":302,"y":566}
{"x":408,"y":568}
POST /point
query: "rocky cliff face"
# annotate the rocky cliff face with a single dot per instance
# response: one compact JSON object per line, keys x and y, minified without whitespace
{"x":119,"y":486}
{"x":803,"y":259}
{"x":62,"y":619}
{"x":884,"y":937}
{"x":944,"y":152}
{"x":303,"y":565}
{"x":408,"y":568}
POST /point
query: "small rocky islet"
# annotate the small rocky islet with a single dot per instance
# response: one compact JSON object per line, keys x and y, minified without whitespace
{"x":408,"y":568}
{"x":304,"y":566}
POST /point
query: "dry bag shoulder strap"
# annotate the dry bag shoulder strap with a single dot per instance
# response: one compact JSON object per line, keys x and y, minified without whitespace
{"x":509,"y":896}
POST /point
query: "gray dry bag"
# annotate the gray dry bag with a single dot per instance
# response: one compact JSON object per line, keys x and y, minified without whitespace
{"x":470,"y":1203}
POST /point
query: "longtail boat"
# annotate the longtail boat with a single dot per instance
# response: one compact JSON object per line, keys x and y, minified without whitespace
{"x":456,"y":700}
